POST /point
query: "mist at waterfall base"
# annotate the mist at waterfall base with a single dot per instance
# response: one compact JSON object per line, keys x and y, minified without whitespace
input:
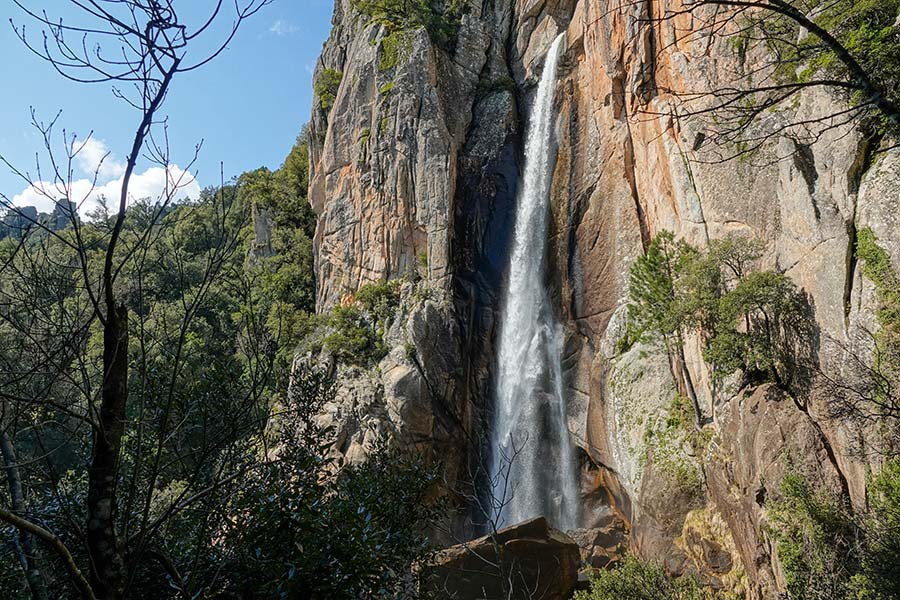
{"x":532,"y":466}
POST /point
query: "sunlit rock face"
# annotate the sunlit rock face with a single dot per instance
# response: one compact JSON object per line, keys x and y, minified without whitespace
{"x":417,"y":167}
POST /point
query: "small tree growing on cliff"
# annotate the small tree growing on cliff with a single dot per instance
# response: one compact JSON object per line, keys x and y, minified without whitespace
{"x":749,"y":320}
{"x":656,"y":312}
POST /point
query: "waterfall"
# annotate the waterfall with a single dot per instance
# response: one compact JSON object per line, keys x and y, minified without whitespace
{"x":532,"y":459}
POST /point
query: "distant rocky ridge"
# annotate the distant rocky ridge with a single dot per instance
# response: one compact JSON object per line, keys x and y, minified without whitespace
{"x":21,"y":219}
{"x":417,"y":163}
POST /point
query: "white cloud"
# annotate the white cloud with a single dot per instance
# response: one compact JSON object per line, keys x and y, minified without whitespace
{"x":156,"y":183}
{"x":281,"y":27}
{"x":92,"y":156}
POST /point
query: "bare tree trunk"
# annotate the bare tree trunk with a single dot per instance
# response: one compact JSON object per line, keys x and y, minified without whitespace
{"x":33,"y":575}
{"x":107,"y":554}
{"x":685,"y":383}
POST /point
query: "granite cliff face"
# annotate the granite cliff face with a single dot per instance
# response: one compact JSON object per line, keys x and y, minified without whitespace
{"x":414,"y":174}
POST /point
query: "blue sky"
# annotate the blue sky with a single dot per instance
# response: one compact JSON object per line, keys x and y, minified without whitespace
{"x":247,"y":106}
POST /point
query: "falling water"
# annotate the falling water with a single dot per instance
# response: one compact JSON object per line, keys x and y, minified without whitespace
{"x":532,"y":458}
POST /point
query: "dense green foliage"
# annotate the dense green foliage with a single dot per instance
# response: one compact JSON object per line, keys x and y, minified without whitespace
{"x":750,"y":320}
{"x":633,"y":579}
{"x":283,"y":261}
{"x":395,"y":48}
{"x":441,"y":18}
{"x":326,"y":88}
{"x":302,"y":528}
{"x":200,"y":368}
{"x":227,"y":485}
{"x":356,"y":330}
{"x":827,"y":551}
{"x":876,"y":265}
{"x":654,"y":312}
{"x":869,"y":30}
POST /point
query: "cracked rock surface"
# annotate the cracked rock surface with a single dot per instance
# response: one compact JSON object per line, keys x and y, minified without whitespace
{"x":418,"y":163}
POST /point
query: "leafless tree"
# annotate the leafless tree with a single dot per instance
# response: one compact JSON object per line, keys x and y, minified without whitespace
{"x":139,"y":47}
{"x":781,"y":48}
{"x":865,"y":388}
{"x":52,"y":377}
{"x":485,"y":495}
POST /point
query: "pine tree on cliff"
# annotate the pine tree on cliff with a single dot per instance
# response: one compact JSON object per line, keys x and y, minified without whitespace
{"x":656,"y":312}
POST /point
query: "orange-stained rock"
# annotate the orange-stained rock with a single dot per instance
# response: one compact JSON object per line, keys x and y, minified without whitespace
{"x":421,"y":161}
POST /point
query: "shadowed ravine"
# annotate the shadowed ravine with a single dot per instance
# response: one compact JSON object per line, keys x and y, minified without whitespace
{"x":530,"y":438}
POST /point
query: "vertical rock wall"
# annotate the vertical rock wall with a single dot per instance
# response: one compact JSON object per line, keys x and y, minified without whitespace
{"x":418,"y":162}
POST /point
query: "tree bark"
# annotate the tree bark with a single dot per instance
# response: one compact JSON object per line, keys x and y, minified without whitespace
{"x":55,"y":544}
{"x":33,"y":575}
{"x":873,"y":94}
{"x":687,"y":383}
{"x":105,"y":548}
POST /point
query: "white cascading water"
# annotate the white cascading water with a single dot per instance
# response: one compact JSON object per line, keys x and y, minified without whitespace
{"x":530,"y":441}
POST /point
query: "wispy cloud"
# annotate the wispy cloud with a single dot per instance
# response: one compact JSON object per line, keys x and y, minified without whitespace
{"x":282,"y":27}
{"x":92,"y":157}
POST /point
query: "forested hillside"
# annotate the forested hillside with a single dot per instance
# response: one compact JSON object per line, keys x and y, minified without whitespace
{"x":558,"y":299}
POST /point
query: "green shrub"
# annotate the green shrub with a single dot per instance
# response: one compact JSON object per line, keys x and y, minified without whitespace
{"x":628,"y":339}
{"x":827,"y":551}
{"x":883,"y":531}
{"x":680,"y":414}
{"x":357,"y":331}
{"x":632,"y":579}
{"x":395,"y":48}
{"x":675,"y":447}
{"x":877,"y":266}
{"x":386,"y":89}
{"x":364,"y":139}
{"x":326,"y":88}
{"x":814,"y":539}
{"x":441,"y":18}
{"x":881,"y":380}
{"x":380,"y":300}
{"x":354,"y":339}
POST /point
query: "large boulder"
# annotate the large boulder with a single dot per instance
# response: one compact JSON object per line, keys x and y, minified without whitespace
{"x":529,"y":560}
